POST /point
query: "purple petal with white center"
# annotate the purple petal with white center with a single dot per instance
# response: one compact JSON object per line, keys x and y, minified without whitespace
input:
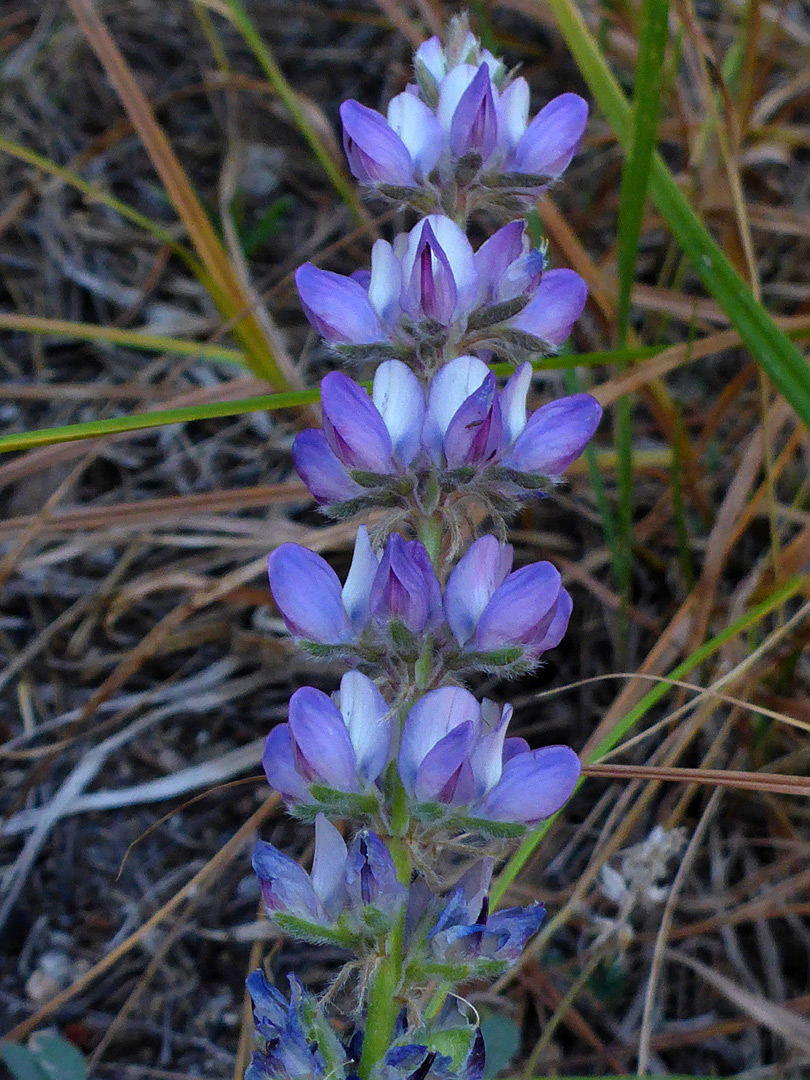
{"x":371,"y":877}
{"x":552,"y":138}
{"x":533,"y":786}
{"x":375,"y":153}
{"x":419,"y":130}
{"x":405,"y":587}
{"x":486,"y":758}
{"x":520,"y":608}
{"x":400,"y":401}
{"x":513,"y":113}
{"x":456,"y":247}
{"x":357,"y":589}
{"x":329,"y":867}
{"x":513,"y":403}
{"x":444,"y":774}
{"x":368,"y":722}
{"x":474,"y":126}
{"x":286,"y":886}
{"x":555,"y":435}
{"x":278,"y":762}
{"x":451,"y":91}
{"x":353,"y":427}
{"x":307,"y":592}
{"x":429,"y":720}
{"x":321,"y":745}
{"x":496,"y":255}
{"x":326,"y":479}
{"x":472,"y":584}
{"x":554,"y":308}
{"x":449,"y":389}
{"x":473,"y":436}
{"x":338,"y":307}
{"x":385,"y":283}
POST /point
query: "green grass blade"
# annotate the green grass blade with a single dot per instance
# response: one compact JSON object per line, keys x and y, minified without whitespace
{"x":95,"y":194}
{"x":26,"y":440}
{"x":652,"y":47}
{"x":749,"y":619}
{"x":237,"y":14}
{"x":113,"y":335}
{"x":771,"y":348}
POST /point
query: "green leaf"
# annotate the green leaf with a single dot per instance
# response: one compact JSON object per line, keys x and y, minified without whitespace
{"x":769,"y":345}
{"x":58,"y":1058}
{"x":502,"y":1042}
{"x":21,"y":1063}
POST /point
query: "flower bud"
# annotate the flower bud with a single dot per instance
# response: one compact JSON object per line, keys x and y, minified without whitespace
{"x":371,"y":877}
{"x":405,"y":587}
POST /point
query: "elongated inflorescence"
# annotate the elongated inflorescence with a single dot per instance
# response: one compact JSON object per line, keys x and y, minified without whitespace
{"x":426,"y":777}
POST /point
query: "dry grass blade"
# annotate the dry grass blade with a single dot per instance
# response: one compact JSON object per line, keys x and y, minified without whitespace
{"x":201,"y":880}
{"x":744,"y":781}
{"x":224,"y":283}
{"x":794,"y":1029}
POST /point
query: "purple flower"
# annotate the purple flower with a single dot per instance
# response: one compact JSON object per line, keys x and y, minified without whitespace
{"x":450,"y":388}
{"x":375,"y":153}
{"x":287,"y":888}
{"x":488,"y":608}
{"x":551,"y":139}
{"x":308,"y":594}
{"x":371,"y":877}
{"x":466,"y":931}
{"x":353,"y":427}
{"x":377,"y":434}
{"x":338,"y":307}
{"x":555,"y":435}
{"x":405,"y":587}
{"x":474,"y":434}
{"x":451,"y":750}
{"x":326,"y":479}
{"x":534,"y":785}
{"x":474,"y":125}
{"x":464,"y":103}
{"x":507,"y":265}
{"x":297,"y":1042}
{"x":438,"y":270}
{"x":554,"y":308}
{"x":343,"y":743}
{"x":415,"y":1062}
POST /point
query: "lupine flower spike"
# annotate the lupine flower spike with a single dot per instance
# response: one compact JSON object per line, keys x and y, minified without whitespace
{"x":403,"y":771}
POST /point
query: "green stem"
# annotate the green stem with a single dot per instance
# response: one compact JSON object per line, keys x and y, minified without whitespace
{"x":431,"y":532}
